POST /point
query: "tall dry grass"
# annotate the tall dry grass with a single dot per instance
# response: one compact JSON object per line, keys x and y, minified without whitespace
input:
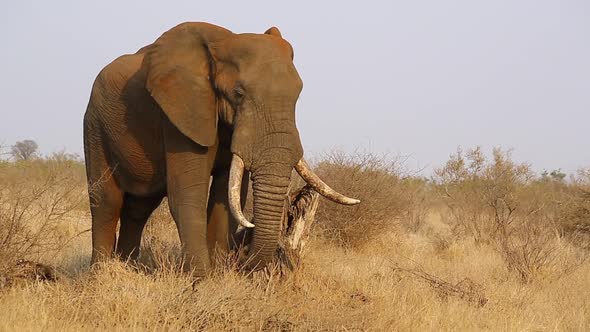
{"x":413,"y":260}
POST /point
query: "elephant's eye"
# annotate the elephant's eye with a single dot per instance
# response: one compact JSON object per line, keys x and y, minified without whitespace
{"x":239,"y":92}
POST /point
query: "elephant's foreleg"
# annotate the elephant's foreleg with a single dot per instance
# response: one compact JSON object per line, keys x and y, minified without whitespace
{"x":134,"y":215}
{"x":188,"y":170}
{"x":187,"y":198}
{"x":221,"y":224}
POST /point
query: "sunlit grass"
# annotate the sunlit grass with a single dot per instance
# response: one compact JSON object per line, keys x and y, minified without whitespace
{"x":384,"y":271}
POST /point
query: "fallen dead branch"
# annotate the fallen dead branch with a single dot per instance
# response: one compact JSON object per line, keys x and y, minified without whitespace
{"x":25,"y":270}
{"x":466,"y":289}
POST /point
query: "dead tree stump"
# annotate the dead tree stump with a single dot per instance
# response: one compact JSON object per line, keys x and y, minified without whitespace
{"x":300,"y":215}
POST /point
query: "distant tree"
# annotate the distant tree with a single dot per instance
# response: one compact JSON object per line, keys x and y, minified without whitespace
{"x":555,"y":175}
{"x":558,"y":175}
{"x":24,"y":150}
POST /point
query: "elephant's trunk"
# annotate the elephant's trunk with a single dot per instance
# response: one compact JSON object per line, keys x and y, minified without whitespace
{"x":270,"y":182}
{"x":269,"y":202}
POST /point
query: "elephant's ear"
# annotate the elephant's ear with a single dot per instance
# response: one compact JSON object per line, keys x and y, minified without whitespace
{"x":177,"y":67}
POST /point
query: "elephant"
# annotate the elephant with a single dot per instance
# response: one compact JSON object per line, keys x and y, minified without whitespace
{"x":194,"y":117}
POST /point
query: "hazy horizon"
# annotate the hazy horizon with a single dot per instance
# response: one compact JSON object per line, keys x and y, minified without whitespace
{"x":416,"y":79}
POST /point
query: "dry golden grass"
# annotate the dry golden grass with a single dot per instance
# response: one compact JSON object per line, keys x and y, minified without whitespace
{"x":336,"y":289}
{"x":414,"y":276}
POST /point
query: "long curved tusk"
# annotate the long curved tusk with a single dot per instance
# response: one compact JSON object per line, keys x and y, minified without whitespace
{"x":236,"y":173}
{"x":318,"y":185}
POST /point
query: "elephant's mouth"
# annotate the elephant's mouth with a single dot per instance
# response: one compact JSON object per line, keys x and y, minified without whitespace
{"x":235,"y":182}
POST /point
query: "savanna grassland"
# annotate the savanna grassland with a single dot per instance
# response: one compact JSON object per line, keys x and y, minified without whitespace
{"x":482,"y":244}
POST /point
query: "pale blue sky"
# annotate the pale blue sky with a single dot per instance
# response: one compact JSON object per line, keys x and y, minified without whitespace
{"x":415,"y":78}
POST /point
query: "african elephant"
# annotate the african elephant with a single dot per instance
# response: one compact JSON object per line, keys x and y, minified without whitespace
{"x":199,"y":103}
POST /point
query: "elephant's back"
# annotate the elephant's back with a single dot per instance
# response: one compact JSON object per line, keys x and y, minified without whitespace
{"x":117,"y":78}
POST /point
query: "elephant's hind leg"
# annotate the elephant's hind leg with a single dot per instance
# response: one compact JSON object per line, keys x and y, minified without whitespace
{"x":134,"y":215}
{"x":106,"y":200}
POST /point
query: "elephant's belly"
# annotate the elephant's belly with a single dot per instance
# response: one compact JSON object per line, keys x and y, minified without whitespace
{"x":141,"y":181}
{"x":139,"y":170}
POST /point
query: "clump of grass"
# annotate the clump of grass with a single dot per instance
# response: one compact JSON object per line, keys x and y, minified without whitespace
{"x":160,"y":248}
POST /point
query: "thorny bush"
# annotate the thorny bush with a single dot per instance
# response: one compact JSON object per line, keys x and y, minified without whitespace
{"x":386,"y":192}
{"x":501,"y":202}
{"x":35,"y":197}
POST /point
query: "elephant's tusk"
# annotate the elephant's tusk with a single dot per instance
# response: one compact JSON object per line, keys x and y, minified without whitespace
{"x":236,"y":173}
{"x":318,"y":185}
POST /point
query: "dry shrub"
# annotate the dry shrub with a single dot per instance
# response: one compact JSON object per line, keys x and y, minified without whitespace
{"x":35,"y":198}
{"x":418,"y":199}
{"x":500,"y":202}
{"x":574,"y":209}
{"x":376,"y":181}
{"x":482,"y":196}
{"x":529,"y":252}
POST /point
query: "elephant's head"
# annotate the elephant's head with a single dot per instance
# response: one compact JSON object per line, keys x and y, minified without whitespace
{"x":205,"y":77}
